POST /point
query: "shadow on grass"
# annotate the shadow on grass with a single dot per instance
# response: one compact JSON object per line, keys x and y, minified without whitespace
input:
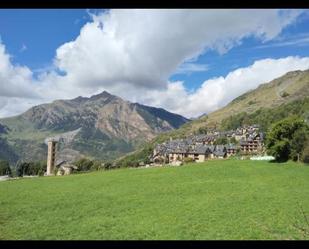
{"x":279,"y":161}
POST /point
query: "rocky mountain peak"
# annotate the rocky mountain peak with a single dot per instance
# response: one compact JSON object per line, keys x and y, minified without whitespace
{"x":102,"y":95}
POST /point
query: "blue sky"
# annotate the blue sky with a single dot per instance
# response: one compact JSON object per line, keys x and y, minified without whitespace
{"x":31,"y":38}
{"x":40,"y":31}
{"x":249,"y":51}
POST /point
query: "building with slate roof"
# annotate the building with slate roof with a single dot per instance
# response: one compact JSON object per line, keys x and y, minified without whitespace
{"x":201,"y":147}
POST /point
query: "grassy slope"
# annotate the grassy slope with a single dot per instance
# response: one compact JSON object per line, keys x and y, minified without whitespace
{"x":267,"y":95}
{"x":25,"y":130}
{"x":214,"y":200}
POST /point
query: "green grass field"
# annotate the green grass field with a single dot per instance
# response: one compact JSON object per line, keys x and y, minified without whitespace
{"x":214,"y":200}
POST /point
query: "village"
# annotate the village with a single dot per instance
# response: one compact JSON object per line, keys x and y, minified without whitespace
{"x":247,"y":141}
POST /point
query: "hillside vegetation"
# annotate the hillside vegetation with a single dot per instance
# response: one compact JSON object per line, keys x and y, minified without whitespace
{"x":223,"y":199}
{"x":265,"y":117}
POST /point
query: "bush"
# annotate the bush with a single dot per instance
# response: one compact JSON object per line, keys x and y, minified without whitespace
{"x":97,"y":165}
{"x":83,"y":164}
{"x":108,"y":165}
{"x":284,"y":94}
{"x":159,"y":160}
{"x":188,"y":160}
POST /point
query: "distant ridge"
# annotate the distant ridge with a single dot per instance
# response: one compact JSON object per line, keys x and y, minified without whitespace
{"x":102,"y":126}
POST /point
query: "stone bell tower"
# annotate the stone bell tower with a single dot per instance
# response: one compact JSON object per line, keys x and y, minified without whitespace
{"x":51,"y":155}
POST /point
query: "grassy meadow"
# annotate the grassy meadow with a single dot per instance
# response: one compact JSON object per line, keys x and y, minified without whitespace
{"x":226,"y":199}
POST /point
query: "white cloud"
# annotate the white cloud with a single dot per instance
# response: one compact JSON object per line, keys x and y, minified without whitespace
{"x":132,"y":53}
{"x":15,"y":81}
{"x":188,"y":68}
{"x":217,"y":92}
{"x":14,"y":105}
{"x":295,"y":41}
{"x":144,"y":47}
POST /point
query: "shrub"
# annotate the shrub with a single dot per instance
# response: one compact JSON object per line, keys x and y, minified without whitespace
{"x":188,"y":160}
{"x":284,"y":94}
{"x":83,"y":164}
{"x":108,"y":165}
{"x":159,"y":160}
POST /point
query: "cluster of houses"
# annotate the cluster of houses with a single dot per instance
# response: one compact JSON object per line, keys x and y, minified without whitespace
{"x":249,"y":140}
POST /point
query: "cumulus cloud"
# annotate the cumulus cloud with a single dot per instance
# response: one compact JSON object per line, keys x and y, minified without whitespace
{"x":144,"y":47}
{"x":217,"y":92}
{"x":132,"y":53}
{"x":15,"y":81}
{"x":188,"y":68}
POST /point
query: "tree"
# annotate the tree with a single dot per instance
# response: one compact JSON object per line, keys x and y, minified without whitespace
{"x":233,"y":140}
{"x":221,"y":140}
{"x":305,"y":153}
{"x":83,"y":164}
{"x":30,"y":168}
{"x":19,"y":169}
{"x":5,"y":168}
{"x":286,"y":139}
{"x":202,"y":130}
{"x":298,"y":142}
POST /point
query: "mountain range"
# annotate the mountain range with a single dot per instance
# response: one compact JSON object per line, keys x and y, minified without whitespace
{"x":107,"y":127}
{"x":103,"y":126}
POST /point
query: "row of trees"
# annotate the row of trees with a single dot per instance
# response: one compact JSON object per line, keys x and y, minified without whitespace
{"x":30,"y":168}
{"x":289,"y":139}
{"x":85,"y":164}
{"x":22,"y":168}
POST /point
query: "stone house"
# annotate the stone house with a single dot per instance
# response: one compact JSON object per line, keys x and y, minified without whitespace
{"x":231,"y":150}
{"x":220,"y":152}
{"x":201,"y":147}
{"x":65,"y":168}
{"x":253,"y":144}
{"x":200,"y":153}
